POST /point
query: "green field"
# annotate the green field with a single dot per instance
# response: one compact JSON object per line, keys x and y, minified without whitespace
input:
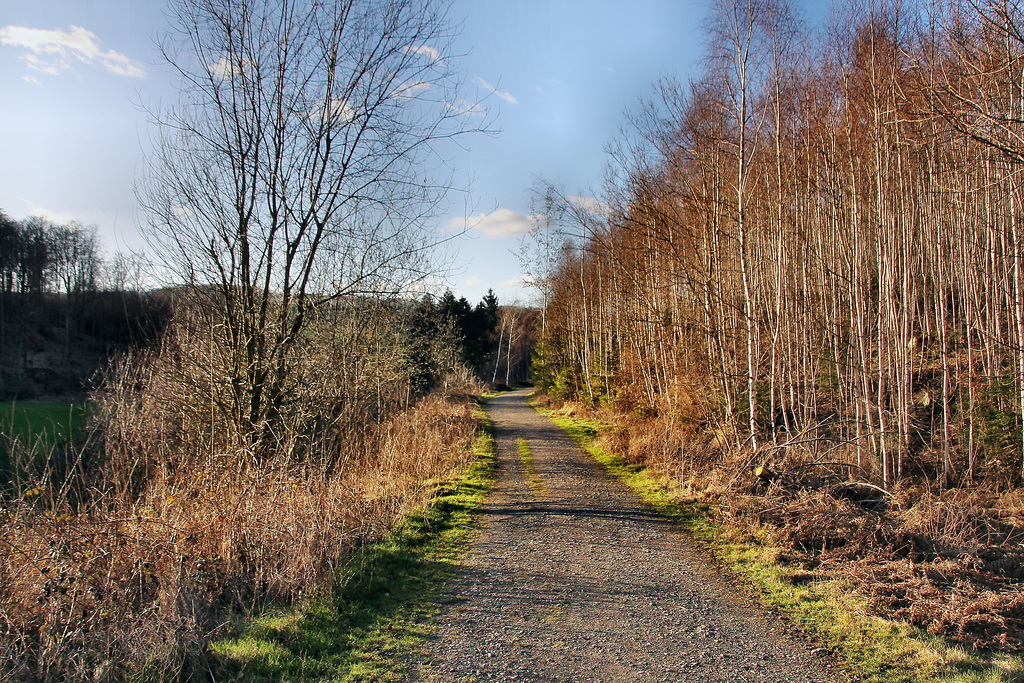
{"x":40,"y":425}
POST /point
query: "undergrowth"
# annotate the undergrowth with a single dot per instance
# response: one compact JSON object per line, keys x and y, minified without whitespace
{"x":107,"y":587}
{"x":868,"y":646}
{"x":371,"y":620}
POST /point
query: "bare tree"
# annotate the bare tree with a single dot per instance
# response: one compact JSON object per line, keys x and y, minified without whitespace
{"x":302,"y":164}
{"x":75,"y":267}
{"x":739,"y":47}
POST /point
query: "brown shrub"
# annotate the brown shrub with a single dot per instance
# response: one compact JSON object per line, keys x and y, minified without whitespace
{"x":178,"y":526}
{"x":948,"y":560}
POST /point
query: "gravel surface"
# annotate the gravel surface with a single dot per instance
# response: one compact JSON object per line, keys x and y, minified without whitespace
{"x":575,"y":579}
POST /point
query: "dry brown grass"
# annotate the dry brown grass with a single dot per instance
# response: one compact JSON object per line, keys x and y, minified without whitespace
{"x":143,"y":558}
{"x":949,"y":560}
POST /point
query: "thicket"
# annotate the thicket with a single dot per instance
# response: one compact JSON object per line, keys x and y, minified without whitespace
{"x":801,"y":295}
{"x":129,"y":555}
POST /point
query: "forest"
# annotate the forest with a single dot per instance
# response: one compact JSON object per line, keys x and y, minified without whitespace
{"x":801,"y":295}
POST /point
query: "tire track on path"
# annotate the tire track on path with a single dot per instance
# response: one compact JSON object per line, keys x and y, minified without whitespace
{"x":578,"y":580}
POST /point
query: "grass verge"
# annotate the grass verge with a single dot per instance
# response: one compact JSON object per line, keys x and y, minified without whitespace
{"x":868,"y":647}
{"x":372,"y":620}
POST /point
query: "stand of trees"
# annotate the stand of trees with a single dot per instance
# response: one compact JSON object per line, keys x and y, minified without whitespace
{"x":818,"y":239}
{"x":492,"y":343}
{"x":64,"y":308}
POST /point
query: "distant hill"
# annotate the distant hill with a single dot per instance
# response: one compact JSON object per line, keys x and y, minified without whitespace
{"x":53,"y":348}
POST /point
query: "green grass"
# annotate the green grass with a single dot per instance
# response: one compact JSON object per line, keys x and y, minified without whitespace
{"x":868,"y":647}
{"x":526,"y":458}
{"x":374,"y":618}
{"x":41,"y":425}
{"x":33,"y":436}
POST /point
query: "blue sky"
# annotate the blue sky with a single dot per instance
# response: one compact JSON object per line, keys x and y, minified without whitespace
{"x":557,"y":75}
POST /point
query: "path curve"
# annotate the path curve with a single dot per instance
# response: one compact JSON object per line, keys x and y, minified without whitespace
{"x":573,"y":578}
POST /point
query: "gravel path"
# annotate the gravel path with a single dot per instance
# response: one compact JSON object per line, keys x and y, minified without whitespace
{"x":574,"y":579}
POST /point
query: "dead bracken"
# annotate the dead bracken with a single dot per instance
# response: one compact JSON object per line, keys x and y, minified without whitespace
{"x":948,"y":560}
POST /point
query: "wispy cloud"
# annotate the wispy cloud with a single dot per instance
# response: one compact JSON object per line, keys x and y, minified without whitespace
{"x":34,"y":209}
{"x":591,"y":204}
{"x":55,"y":51}
{"x":467,"y":108}
{"x":498,"y":224}
{"x":427,"y":51}
{"x":503,"y":94}
{"x":412,"y":88}
{"x":226,"y":69}
{"x":516,"y":282}
{"x":334,"y":112}
{"x":473,"y":281}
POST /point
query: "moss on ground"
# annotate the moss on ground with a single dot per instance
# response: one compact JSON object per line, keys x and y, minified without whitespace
{"x":529,"y":471}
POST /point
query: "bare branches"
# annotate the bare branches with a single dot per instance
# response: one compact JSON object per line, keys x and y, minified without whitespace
{"x":827,"y":233}
{"x":302,"y":164}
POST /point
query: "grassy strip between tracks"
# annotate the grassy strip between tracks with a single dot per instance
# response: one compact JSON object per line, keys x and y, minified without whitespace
{"x":529,"y":471}
{"x":368,"y":626}
{"x":868,"y":647}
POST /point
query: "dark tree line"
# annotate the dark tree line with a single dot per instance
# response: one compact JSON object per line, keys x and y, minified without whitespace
{"x":447,"y":332}
{"x":493,"y":343}
{"x":63,"y":307}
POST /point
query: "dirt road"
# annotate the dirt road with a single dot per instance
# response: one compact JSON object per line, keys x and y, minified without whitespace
{"x":574,"y":579}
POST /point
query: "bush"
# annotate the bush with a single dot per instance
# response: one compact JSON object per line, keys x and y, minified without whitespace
{"x":132,"y":566}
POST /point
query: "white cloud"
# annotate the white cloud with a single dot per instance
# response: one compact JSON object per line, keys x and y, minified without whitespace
{"x":594,"y":206}
{"x":60,"y":217}
{"x":342,"y":110}
{"x":412,"y":89}
{"x":52,"y":52}
{"x":467,"y":108}
{"x":335,"y":112}
{"x":224,"y":69}
{"x":503,"y":94}
{"x":498,"y":224}
{"x":182,"y":211}
{"x":473,"y":281}
{"x":427,"y":51}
